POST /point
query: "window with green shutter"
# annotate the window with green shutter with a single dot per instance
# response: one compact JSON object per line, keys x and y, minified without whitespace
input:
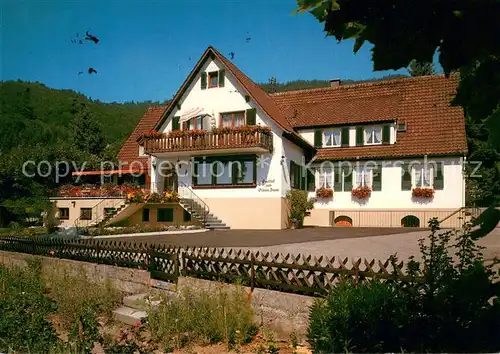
{"x":359,"y":136}
{"x":203,"y":80}
{"x":439,"y":176}
{"x":405,"y":177}
{"x":377,"y":178}
{"x":251,"y":116}
{"x":348,"y":175}
{"x":345,"y":136}
{"x":175,"y":123}
{"x":222,"y":75}
{"x":386,"y":134}
{"x":318,"y":138}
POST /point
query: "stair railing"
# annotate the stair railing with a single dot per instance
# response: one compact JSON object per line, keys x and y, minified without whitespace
{"x":94,"y":220}
{"x":194,"y":201}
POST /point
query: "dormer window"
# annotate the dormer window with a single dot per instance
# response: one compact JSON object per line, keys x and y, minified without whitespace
{"x":373,"y":135}
{"x":331,"y":138}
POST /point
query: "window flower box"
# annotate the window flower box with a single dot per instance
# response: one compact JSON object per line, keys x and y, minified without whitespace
{"x":324,"y":192}
{"x":422,"y":193}
{"x":152,"y":134}
{"x":361,"y":192}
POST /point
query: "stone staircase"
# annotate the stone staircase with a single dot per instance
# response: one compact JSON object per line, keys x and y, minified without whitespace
{"x":134,"y":307}
{"x":202,"y":214}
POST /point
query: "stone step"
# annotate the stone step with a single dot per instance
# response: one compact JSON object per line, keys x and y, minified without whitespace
{"x":129,"y":315}
{"x":217,"y":227}
{"x":142,"y":301}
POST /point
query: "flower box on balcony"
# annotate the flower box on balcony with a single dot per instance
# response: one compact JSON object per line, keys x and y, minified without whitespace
{"x":422,"y":193}
{"x":361,"y":192}
{"x":324,"y":192}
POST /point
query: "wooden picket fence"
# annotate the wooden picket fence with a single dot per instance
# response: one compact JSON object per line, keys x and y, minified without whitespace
{"x":299,"y":274}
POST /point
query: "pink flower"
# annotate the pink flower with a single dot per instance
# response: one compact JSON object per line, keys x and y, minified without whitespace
{"x":52,"y":252}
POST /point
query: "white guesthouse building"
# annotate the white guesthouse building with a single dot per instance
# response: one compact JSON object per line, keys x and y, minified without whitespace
{"x":387,"y":153}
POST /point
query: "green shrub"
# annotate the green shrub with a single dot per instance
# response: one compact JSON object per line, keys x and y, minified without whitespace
{"x":456,"y":309}
{"x":24,"y":308}
{"x":211,"y":317}
{"x":299,"y":205}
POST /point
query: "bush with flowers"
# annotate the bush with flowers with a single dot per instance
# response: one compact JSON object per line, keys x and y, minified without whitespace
{"x":424,"y":193}
{"x":361,"y":192}
{"x":324,"y":192}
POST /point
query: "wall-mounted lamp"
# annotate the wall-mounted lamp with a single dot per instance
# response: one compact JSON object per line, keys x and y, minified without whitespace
{"x":73,"y":204}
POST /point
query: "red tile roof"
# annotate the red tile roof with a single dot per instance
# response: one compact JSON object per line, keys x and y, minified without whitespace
{"x":423,"y":103}
{"x":130,"y":149}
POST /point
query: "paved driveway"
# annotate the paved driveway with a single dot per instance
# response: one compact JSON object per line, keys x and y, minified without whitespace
{"x":377,"y":243}
{"x":260,"y":238}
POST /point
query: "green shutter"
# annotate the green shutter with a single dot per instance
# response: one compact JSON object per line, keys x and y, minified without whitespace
{"x":203,"y":80}
{"x":345,"y":136}
{"x":292,"y":174}
{"x":377,"y":178}
{"x":405,"y":177}
{"x":347,"y":171}
{"x":188,"y":125}
{"x":318,"y":138}
{"x":386,"y":134}
{"x":222,"y":75}
{"x":359,"y":136}
{"x":251,"y":116}
{"x":175,"y":123}
{"x":439,"y":177}
{"x":337,"y":179}
{"x":311,"y":180}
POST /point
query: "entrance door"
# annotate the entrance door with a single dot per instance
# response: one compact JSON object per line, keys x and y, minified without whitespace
{"x":171,"y":181}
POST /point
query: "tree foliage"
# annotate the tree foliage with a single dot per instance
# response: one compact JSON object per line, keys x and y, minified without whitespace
{"x":417,"y":68}
{"x":42,"y":124}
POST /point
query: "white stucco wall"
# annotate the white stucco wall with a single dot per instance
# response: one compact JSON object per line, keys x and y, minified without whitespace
{"x":392,"y":197}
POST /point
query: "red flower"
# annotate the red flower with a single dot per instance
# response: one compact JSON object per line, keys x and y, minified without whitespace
{"x":425,"y":193}
{"x":324,"y":192}
{"x":361,"y":192}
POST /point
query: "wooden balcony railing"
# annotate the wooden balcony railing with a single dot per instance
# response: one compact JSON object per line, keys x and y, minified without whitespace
{"x":209,"y":141}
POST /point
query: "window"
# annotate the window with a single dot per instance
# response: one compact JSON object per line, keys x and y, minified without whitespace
{"x":331,"y":138}
{"x":422,"y":176}
{"x":232,"y":119}
{"x":187,"y":216}
{"x":193,"y":123}
{"x":225,"y":171}
{"x":325,"y":178}
{"x":63,"y":213}
{"x":145,"y":214}
{"x":363,"y":177}
{"x":213,"y":79}
{"x":165,"y":215}
{"x":86,"y":213}
{"x":343,"y":179}
{"x":373,"y":135}
{"x":297,"y":177}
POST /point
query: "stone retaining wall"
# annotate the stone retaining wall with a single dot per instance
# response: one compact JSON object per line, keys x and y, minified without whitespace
{"x":124,"y":279}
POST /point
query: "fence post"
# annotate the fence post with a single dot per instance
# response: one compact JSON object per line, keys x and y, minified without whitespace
{"x":98,"y":250}
{"x":252,"y":271}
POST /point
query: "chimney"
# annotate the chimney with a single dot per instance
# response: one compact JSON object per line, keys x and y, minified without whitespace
{"x":334,"y":82}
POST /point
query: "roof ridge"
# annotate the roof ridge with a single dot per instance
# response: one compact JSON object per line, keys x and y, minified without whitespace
{"x":359,"y":84}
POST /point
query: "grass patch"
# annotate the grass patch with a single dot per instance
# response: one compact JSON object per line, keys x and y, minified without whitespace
{"x":224,"y":315}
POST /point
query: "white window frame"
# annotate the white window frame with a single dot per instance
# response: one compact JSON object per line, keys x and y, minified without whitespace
{"x":373,"y":128}
{"x":332,"y":131}
{"x":422,"y":169}
{"x":366,"y":172}
{"x":323,"y":176}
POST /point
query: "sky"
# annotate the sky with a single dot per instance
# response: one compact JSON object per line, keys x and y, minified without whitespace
{"x":147,"y":48}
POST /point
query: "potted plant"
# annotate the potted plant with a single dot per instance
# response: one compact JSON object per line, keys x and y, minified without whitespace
{"x":324,"y":192}
{"x":422,"y":193}
{"x":362,"y":193}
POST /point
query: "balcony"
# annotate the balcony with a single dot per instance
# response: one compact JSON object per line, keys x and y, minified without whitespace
{"x":247,"y":139}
